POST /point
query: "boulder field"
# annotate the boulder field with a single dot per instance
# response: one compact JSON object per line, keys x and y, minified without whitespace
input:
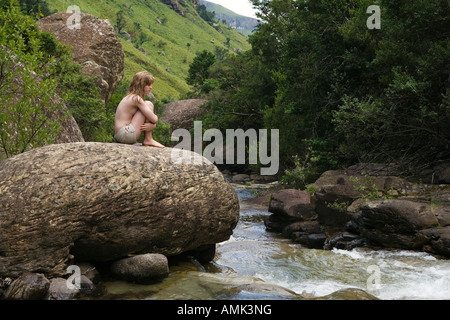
{"x":345,"y":209}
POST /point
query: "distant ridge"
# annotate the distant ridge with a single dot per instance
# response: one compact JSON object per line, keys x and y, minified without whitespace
{"x":243,"y":24}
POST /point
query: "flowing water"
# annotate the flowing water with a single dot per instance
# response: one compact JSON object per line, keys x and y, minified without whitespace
{"x":256,"y":264}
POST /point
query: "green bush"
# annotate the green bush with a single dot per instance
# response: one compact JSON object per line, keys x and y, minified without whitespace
{"x":28,"y":95}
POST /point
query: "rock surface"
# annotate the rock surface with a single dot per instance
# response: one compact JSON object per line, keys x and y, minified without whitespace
{"x":292,"y":204}
{"x":29,"y":286}
{"x":95,"y":46}
{"x":142,"y":269}
{"x":182,"y":114}
{"x":395,"y":223}
{"x":102,"y":202}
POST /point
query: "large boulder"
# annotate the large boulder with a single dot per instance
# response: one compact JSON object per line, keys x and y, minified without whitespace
{"x":341,"y":193}
{"x":101,"y":202}
{"x":70,"y":131}
{"x":292,"y":205}
{"x":335,"y":190}
{"x":182,"y":114}
{"x":396,"y":223}
{"x":438,"y":239}
{"x":95,"y":46}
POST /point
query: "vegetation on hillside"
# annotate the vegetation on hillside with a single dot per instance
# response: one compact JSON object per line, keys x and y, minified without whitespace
{"x":243,"y":24}
{"x":338,"y":91}
{"x":37,"y":77}
{"x":160,"y":40}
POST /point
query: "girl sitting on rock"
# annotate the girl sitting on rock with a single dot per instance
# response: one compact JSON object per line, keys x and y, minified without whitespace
{"x":134,"y":115}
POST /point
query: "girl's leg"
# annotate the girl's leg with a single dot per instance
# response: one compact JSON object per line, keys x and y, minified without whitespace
{"x":138,"y":120}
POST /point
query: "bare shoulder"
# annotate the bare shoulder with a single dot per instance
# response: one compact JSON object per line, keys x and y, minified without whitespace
{"x":132,"y":98}
{"x":131,"y":101}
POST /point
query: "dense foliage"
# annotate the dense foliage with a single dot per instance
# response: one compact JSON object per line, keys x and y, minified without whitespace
{"x":27,"y":94}
{"x":339,"y":91}
{"x":37,"y":78}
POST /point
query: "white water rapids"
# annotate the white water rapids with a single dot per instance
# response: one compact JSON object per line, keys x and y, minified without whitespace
{"x":386,"y":274}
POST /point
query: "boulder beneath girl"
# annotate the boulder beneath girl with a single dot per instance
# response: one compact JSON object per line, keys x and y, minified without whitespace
{"x":100,"y":202}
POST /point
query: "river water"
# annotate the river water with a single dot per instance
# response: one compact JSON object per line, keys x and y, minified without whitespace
{"x":255,"y":264}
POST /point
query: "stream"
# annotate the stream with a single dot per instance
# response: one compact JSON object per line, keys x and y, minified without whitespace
{"x":256,"y":265}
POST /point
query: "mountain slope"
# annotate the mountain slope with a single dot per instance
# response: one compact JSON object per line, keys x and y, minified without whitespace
{"x":157,"y":38}
{"x":243,"y":24}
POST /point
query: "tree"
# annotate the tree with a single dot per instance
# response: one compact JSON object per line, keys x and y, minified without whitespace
{"x":299,"y":43}
{"x":199,"y":68}
{"x":121,"y":22}
{"x":205,"y":14}
{"x":403,"y":116}
{"x":241,"y":92}
{"x":345,"y":93}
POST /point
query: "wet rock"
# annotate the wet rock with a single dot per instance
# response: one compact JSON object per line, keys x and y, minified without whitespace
{"x":302,"y":226}
{"x":89,"y":271}
{"x":292,"y":205}
{"x":310,"y":240}
{"x":240,"y":178}
{"x":335,"y":190}
{"x":142,"y":269}
{"x":276,"y":224}
{"x":394,"y":223}
{"x":59,"y":290}
{"x":30,"y":286}
{"x":258,"y":291}
{"x":344,"y":241}
{"x":438,"y":240}
{"x":349,"y":294}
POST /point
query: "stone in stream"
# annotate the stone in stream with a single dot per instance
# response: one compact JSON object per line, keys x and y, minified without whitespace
{"x":99,"y":202}
{"x":143,"y":269}
{"x":29,"y":286}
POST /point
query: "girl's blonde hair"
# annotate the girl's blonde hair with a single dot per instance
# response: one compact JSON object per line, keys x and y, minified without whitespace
{"x":139,"y":81}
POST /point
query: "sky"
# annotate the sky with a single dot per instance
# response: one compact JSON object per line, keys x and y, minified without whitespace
{"x":242,"y":7}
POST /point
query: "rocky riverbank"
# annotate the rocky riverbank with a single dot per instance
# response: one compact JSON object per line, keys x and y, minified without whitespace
{"x":365,"y":206}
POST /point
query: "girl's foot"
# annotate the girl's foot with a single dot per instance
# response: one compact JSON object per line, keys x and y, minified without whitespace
{"x":153,"y":143}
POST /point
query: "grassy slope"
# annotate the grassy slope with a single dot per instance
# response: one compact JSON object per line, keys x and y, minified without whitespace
{"x":171,"y":38}
{"x":222,"y":12}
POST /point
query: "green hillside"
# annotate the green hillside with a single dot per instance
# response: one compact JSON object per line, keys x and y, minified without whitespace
{"x":158,"y":39}
{"x":244,"y":25}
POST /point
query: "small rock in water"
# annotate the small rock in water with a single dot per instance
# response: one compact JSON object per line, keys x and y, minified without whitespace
{"x":142,"y":269}
{"x":31,"y":286}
